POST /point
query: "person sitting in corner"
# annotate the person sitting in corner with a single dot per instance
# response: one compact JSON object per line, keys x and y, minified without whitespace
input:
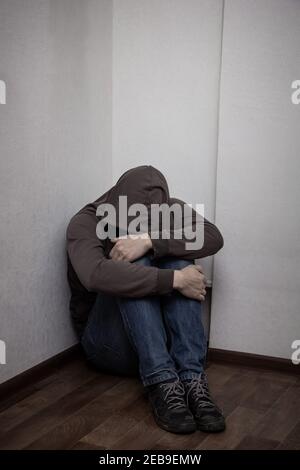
{"x":136,"y":304}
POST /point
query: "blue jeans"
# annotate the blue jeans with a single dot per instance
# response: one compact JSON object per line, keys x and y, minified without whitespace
{"x":160,"y":338}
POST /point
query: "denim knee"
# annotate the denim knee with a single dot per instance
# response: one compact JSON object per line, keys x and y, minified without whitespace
{"x":174,"y":263}
{"x":144,"y":261}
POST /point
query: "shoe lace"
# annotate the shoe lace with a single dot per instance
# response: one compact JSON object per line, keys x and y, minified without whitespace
{"x":174,"y":393}
{"x":198,"y":389}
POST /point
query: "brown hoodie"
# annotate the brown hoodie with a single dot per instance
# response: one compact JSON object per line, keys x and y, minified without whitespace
{"x":91,"y":271}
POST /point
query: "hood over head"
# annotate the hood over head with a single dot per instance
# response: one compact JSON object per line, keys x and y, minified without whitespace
{"x":141,"y":185}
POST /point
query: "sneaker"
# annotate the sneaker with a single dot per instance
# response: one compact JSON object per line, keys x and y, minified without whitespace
{"x":207,"y":415}
{"x":169,"y":407}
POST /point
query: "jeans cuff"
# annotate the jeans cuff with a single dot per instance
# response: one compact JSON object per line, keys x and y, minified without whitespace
{"x":190,"y":375}
{"x":159,"y":378}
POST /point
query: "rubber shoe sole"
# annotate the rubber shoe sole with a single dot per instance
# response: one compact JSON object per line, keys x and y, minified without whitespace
{"x":187,"y":428}
{"x":213,"y":427}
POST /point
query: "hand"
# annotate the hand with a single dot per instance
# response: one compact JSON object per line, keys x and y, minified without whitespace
{"x":190,"y":282}
{"x":131,"y":247}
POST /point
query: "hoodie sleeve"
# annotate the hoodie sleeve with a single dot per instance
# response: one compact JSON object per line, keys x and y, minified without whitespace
{"x":100,"y":274}
{"x":212,"y":239}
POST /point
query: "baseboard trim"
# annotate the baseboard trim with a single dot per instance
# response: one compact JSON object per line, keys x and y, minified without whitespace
{"x":38,"y":372}
{"x":253,"y":360}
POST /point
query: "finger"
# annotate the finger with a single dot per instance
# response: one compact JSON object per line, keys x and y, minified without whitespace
{"x":199,"y":268}
{"x":113,"y":256}
{"x":114,"y":249}
{"x":114,"y":253}
{"x":114,"y":240}
{"x":111,"y":253}
{"x":123,"y":255}
{"x":118,"y":256}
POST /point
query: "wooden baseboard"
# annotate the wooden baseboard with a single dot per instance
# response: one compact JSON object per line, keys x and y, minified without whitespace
{"x":38,"y":372}
{"x":253,"y":360}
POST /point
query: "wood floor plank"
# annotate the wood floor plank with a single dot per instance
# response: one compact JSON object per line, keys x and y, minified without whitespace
{"x":88,"y":417}
{"x":144,"y":435}
{"x":235,"y":391}
{"x":292,"y":441}
{"x":26,"y":391}
{"x":239,"y":423}
{"x":40,"y":423}
{"x":283,"y":416}
{"x":85,"y":446}
{"x":45,"y":379}
{"x":271,"y":375}
{"x":294,"y":435}
{"x":118,"y":424}
{"x":251,"y":442}
{"x":265,"y":394}
{"x":288,"y":445}
{"x":61,"y":384}
{"x":218,"y":375}
{"x":179,"y":442}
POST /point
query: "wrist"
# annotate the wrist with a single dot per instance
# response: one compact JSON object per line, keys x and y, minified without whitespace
{"x":178,"y":280}
{"x":148,"y":243}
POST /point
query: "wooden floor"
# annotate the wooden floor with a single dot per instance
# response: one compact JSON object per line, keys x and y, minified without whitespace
{"x":75,"y":407}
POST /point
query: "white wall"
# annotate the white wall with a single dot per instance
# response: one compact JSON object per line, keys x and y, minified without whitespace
{"x":55,"y":144}
{"x":166,"y":65}
{"x":256,"y":297}
{"x":56,"y":136}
